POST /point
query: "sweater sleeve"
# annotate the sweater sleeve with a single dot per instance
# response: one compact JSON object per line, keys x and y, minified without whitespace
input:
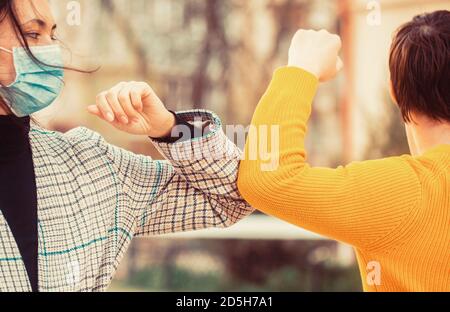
{"x":362,"y":204}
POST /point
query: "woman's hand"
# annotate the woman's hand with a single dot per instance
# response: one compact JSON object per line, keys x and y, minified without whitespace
{"x":135,"y":108}
{"x":316,"y":52}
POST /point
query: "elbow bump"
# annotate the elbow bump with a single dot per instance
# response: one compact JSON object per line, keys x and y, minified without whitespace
{"x":254,"y":189}
{"x":245,"y":185}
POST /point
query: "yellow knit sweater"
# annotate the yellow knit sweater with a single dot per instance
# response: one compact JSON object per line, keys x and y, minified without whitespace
{"x":395,"y":212}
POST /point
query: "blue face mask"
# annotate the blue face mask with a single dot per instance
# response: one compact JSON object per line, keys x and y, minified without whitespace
{"x":36,"y":85}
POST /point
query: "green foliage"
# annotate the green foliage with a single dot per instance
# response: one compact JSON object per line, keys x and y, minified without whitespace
{"x":172,"y":278}
{"x":288,"y":279}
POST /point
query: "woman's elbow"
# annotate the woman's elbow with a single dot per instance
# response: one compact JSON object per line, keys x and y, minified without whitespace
{"x":244,"y":183}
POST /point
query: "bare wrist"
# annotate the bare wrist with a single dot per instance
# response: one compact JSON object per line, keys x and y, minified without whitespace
{"x":165,"y":128}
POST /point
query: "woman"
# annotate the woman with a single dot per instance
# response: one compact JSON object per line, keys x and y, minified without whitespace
{"x":394,"y":211}
{"x":71,"y":203}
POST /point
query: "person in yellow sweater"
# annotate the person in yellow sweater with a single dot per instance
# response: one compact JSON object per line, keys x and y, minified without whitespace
{"x":395,"y":212}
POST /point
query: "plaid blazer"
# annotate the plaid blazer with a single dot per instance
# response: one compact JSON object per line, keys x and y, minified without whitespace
{"x":93,"y":198}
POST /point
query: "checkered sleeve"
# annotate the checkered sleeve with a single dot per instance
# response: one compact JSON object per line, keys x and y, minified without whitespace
{"x":194,"y":188}
{"x":200,"y":188}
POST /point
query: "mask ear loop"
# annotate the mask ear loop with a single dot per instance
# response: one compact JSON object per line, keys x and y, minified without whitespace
{"x":6,"y":50}
{"x":5,"y":100}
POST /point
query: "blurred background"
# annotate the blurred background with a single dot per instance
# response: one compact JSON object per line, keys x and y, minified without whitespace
{"x":220,"y":55}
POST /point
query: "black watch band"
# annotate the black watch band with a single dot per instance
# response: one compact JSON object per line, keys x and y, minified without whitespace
{"x":179,"y":135}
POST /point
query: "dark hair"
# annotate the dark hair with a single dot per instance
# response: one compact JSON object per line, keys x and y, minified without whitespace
{"x":420,"y":66}
{"x":7,"y":9}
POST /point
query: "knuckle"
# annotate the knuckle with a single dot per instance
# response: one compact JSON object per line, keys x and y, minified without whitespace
{"x":120,"y":84}
{"x":100,"y":96}
{"x":110,"y":94}
{"x":125,"y":85}
{"x":123,"y":97}
{"x":135,"y":95}
{"x":143,"y":84}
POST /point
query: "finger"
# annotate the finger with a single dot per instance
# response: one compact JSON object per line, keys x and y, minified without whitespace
{"x":94,"y":110}
{"x":104,"y":107}
{"x":112,"y":97}
{"x":146,"y":93}
{"x":136,"y":99}
{"x":125,"y":100}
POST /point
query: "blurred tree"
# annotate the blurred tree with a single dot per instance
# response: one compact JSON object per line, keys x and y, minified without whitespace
{"x":286,"y":265}
{"x":389,"y":137}
{"x":136,"y":46}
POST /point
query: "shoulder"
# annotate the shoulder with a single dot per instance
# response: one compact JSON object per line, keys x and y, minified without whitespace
{"x":83,"y":136}
{"x":79,"y":142}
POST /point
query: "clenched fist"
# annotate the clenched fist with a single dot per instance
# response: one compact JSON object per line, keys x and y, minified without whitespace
{"x":135,"y":108}
{"x":316,"y":52}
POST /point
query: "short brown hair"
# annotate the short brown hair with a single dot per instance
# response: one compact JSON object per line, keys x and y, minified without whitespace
{"x":420,"y":66}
